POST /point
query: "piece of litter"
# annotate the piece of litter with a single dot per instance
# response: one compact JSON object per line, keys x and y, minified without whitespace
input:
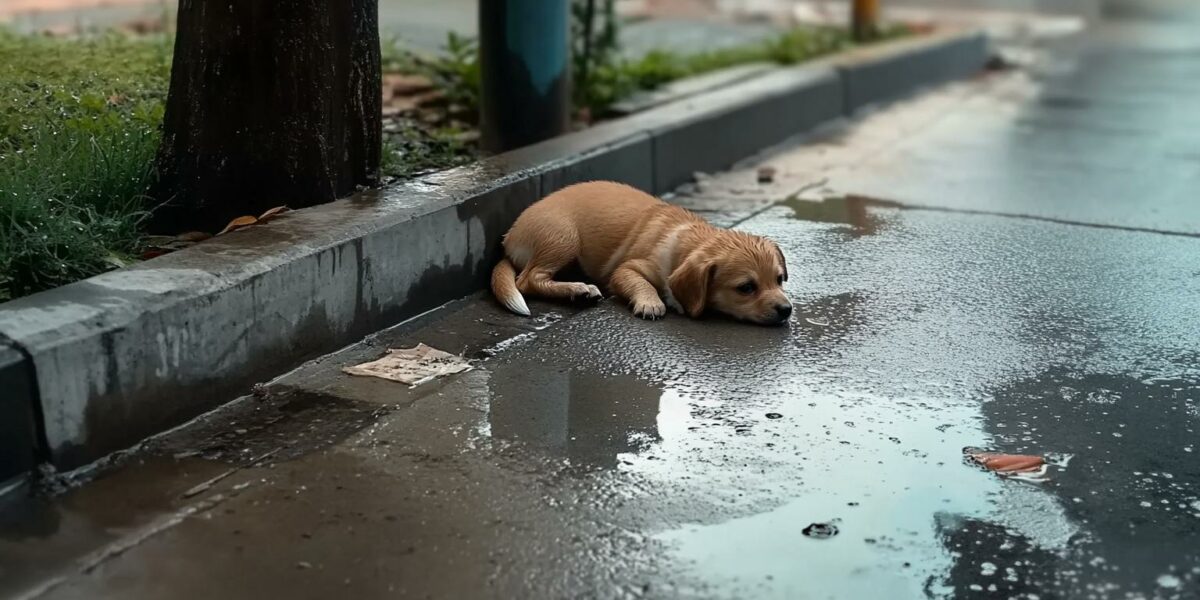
{"x":1018,"y":466}
{"x":818,"y":322}
{"x":412,"y":366}
{"x":766,"y":174}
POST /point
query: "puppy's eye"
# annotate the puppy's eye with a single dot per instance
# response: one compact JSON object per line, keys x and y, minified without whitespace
{"x":747,"y":288}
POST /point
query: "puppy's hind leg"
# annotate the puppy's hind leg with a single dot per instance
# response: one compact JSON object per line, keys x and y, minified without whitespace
{"x":537,"y":278}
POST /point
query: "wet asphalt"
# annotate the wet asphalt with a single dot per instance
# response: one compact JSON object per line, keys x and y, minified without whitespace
{"x":1011,"y":263}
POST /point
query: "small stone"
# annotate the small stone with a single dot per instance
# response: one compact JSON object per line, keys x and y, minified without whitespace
{"x":766,"y":174}
{"x":820,"y":530}
{"x":774,"y":415}
{"x":303,"y":565}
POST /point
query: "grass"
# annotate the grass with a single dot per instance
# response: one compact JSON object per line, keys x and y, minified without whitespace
{"x":616,"y":80}
{"x":78,"y":132}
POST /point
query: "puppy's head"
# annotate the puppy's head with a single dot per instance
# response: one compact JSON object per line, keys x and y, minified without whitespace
{"x":735,"y":273}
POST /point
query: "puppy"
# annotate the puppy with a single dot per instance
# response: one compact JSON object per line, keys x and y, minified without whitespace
{"x":648,"y":252}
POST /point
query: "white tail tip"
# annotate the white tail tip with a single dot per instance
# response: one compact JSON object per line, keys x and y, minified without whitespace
{"x":516,"y":303}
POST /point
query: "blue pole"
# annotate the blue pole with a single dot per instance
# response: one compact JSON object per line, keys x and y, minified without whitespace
{"x":524,"y":56}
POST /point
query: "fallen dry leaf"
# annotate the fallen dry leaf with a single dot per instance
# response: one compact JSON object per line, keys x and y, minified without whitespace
{"x":238,"y":223}
{"x":158,"y":245}
{"x":1008,"y":463}
{"x":158,"y":241}
{"x":272,"y":213}
{"x":1022,"y":466}
{"x":193,"y":236}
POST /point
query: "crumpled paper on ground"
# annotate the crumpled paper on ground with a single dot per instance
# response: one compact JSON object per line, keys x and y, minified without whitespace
{"x":412,"y":366}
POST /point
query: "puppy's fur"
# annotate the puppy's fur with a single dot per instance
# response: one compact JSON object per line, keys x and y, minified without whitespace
{"x":646,"y":251}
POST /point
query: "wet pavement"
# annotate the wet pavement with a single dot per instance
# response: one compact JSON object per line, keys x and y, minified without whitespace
{"x":1009,"y":263}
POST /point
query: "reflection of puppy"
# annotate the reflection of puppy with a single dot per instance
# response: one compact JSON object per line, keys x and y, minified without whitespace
{"x":642,"y":249}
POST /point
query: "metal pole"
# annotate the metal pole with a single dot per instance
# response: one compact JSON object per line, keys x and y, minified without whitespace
{"x":864,"y":19}
{"x":524,"y":57}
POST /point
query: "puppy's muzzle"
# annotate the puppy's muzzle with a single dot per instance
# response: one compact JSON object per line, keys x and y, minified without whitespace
{"x":782,"y":313}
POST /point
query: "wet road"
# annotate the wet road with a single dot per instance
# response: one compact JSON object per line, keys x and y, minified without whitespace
{"x":974,"y":267}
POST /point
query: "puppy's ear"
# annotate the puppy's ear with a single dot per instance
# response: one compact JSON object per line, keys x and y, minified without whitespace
{"x":689,"y":283}
{"x":782,"y":261}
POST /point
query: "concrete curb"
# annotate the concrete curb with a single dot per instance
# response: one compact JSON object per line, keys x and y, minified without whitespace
{"x":875,"y":74}
{"x":18,"y":420}
{"x":129,"y":353}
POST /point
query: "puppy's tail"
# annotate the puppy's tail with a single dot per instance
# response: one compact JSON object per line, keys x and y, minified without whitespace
{"x":504,"y":286}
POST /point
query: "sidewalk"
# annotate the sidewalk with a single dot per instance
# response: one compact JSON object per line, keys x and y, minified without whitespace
{"x":1008,"y":262}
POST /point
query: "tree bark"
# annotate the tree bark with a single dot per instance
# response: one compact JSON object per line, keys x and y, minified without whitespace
{"x":272,"y":102}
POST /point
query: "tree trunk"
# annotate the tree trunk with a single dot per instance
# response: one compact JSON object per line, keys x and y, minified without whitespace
{"x":272,"y":102}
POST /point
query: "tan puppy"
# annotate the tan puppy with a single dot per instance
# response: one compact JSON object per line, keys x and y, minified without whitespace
{"x":644,"y":250}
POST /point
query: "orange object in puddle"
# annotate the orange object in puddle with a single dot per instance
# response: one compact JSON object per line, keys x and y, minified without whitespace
{"x":1005,"y":463}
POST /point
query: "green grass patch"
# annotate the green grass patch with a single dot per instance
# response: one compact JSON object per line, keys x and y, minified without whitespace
{"x":79,"y":126}
{"x":617,"y":79}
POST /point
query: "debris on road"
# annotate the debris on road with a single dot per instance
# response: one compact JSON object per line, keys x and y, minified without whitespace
{"x":1019,"y":466}
{"x":766,"y":174}
{"x":820,"y":531}
{"x":412,"y":366}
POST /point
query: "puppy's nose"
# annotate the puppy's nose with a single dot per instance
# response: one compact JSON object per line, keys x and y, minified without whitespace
{"x":783,"y":311}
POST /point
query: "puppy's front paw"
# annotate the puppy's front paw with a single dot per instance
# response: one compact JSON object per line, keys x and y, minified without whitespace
{"x":650,"y":310}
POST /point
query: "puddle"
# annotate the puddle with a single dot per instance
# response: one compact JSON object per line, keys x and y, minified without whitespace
{"x":839,"y":464}
{"x":588,"y":418}
{"x":849,"y":210}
